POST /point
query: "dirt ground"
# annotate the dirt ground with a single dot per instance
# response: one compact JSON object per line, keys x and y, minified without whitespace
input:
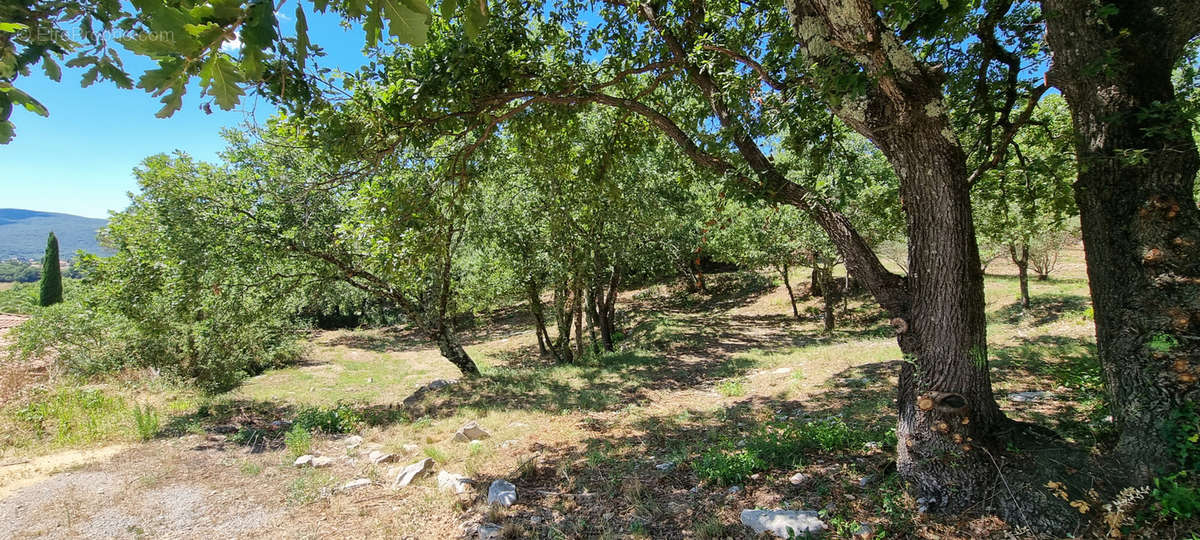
{"x":585,"y":447}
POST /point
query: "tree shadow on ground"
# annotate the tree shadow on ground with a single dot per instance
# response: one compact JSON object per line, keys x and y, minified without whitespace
{"x":647,"y":473}
{"x":1043,"y":309}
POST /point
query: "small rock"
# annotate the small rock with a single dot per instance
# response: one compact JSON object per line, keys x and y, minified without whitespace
{"x":352,"y":441}
{"x":280,"y":424}
{"x":453,"y":482}
{"x":224,"y":429}
{"x":782,"y":371}
{"x":489,"y":531}
{"x":502,"y":492}
{"x":410,"y":448}
{"x":471,"y":432}
{"x":798,"y":478}
{"x":322,"y":461}
{"x":303,"y":461}
{"x":783,"y":523}
{"x":733,"y":490}
{"x":355,"y":484}
{"x":409,"y":473}
{"x":439,"y":383}
{"x":755,"y":476}
{"x":862,"y":482}
{"x":370,"y":380}
{"x":1023,"y":397}
{"x":665,"y":466}
{"x":381,"y":457}
{"x":864,"y":532}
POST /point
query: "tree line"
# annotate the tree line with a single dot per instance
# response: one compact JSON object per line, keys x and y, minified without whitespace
{"x":950,"y":95}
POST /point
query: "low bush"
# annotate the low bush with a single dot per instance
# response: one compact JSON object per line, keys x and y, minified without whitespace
{"x":146,"y":421}
{"x":340,"y":419}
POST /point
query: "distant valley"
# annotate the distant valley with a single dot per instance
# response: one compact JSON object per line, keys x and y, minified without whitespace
{"x":23,"y":233}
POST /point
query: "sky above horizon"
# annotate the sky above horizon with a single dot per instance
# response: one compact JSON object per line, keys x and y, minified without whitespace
{"x":80,"y":159}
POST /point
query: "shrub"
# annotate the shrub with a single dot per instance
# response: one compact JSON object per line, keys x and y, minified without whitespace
{"x":145,"y":420}
{"x":726,"y":467}
{"x":340,"y":419}
{"x":1178,"y":494}
{"x":298,"y":441}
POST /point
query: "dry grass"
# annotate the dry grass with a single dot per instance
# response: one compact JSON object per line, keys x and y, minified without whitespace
{"x":582,"y":442}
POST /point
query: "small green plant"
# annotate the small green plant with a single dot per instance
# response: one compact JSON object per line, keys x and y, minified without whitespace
{"x":728,"y":467}
{"x":1178,"y":494}
{"x":732,"y":388}
{"x":248,"y":437}
{"x":339,"y":419}
{"x":437,"y":455}
{"x":309,"y":486}
{"x":298,"y":441}
{"x":250,"y":468}
{"x":1162,"y":342}
{"x":145,"y":419}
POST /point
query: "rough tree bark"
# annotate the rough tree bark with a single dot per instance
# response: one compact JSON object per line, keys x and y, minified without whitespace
{"x":948,"y":417}
{"x":1141,"y":228}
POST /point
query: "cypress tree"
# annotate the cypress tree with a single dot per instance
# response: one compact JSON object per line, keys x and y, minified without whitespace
{"x":52,"y":288}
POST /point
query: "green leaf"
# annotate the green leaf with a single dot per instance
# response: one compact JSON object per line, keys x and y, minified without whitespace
{"x":448,"y":8}
{"x":19,"y":97}
{"x":89,"y":76}
{"x":172,"y":102}
{"x":11,"y":27}
{"x":220,"y":79}
{"x":7,"y":130}
{"x":50,"y":67}
{"x":151,"y":45}
{"x":258,"y":32}
{"x":477,"y":17}
{"x":408,"y":20}
{"x":167,"y":75}
{"x":302,"y":42}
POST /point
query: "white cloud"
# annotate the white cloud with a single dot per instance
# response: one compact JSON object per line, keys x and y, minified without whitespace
{"x":233,"y":45}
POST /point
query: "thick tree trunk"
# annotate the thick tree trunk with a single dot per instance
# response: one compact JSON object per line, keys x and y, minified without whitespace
{"x":787,"y":283}
{"x":1020,"y":257}
{"x":1141,"y":228}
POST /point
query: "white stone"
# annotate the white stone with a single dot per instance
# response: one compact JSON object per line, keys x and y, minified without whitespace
{"x":783,"y":371}
{"x":453,"y":482}
{"x":1022,"y":397}
{"x":489,"y":531}
{"x":409,"y":473}
{"x":355,"y":484}
{"x":439,"y":383}
{"x":381,"y":457}
{"x":471,"y":432}
{"x":322,"y":461}
{"x":733,"y":490}
{"x":502,"y":492}
{"x":798,"y":478}
{"x":410,"y":448}
{"x":303,"y":461}
{"x":666,"y":466}
{"x":352,"y":441}
{"x":783,"y":523}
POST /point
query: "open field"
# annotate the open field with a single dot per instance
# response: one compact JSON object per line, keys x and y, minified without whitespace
{"x":645,"y":442}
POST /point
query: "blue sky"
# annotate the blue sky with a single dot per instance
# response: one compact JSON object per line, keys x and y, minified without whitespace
{"x":80,"y":159}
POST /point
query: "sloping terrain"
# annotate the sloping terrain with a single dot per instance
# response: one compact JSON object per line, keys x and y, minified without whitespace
{"x":651,"y":441}
{"x":23,"y":233}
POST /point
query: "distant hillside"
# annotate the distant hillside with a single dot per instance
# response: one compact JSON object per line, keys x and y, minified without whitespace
{"x":23,"y":233}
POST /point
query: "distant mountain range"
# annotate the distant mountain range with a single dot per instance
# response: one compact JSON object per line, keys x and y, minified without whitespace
{"x":23,"y":233}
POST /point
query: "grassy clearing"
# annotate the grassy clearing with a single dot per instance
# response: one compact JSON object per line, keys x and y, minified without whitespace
{"x":705,"y":393}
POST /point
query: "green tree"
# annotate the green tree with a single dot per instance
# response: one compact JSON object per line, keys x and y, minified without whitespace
{"x":1025,"y":205}
{"x":51,"y":285}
